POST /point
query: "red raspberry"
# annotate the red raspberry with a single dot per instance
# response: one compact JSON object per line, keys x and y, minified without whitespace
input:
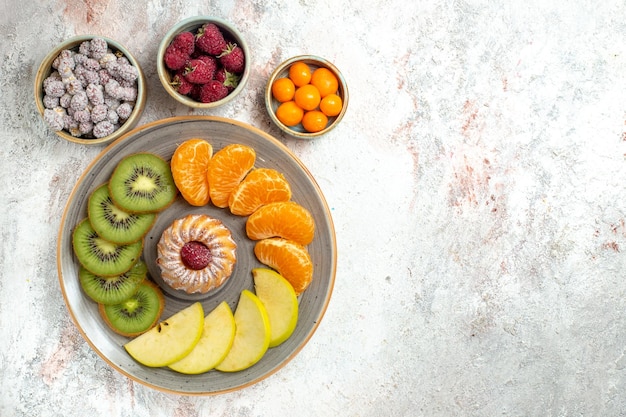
{"x":210,"y":60}
{"x":195,"y":255}
{"x":230,"y":80}
{"x":213,"y":91}
{"x":175,"y":58}
{"x":210,"y":39}
{"x":181,"y":84}
{"x":199,"y":71}
{"x":185,"y":41}
{"x":232,"y":58}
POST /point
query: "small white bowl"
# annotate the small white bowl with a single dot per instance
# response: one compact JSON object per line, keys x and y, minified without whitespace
{"x":314,"y":62}
{"x":45,"y":69}
{"x":192,"y":24}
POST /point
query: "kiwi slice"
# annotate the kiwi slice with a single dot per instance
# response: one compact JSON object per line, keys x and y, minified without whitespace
{"x":101,"y":257}
{"x":138,"y":313}
{"x":112,"y":290}
{"x":142,"y":183}
{"x":114,"y":224}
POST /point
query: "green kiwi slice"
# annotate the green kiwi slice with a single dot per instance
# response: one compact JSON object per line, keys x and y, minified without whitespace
{"x":113,"y":223}
{"x":142,"y":183}
{"x":112,"y":290}
{"x":138,"y":313}
{"x":101,"y":257}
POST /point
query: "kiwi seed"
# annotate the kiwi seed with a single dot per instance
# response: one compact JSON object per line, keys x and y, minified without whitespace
{"x":101,"y":257}
{"x":137,"y":314}
{"x":112,"y":290}
{"x":142,"y":183}
{"x":113,"y":223}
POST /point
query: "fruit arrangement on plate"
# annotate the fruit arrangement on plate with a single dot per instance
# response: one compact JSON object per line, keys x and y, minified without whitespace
{"x":108,"y":245}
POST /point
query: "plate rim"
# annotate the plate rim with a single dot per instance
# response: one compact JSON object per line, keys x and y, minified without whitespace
{"x":177,"y":119}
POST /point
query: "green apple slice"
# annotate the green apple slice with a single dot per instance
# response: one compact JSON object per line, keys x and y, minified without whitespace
{"x":280,"y":301}
{"x":215,"y":343}
{"x":170,"y":340}
{"x":252,"y":336}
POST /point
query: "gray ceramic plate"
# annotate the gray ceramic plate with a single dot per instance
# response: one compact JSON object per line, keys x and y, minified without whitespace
{"x":162,"y":138}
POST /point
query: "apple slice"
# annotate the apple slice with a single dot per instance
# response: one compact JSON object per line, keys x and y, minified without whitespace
{"x":280,"y":301}
{"x":215,"y":343}
{"x":252,"y":336}
{"x":170,"y":340}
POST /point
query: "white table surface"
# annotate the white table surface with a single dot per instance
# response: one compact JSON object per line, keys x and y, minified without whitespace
{"x":477,"y":186}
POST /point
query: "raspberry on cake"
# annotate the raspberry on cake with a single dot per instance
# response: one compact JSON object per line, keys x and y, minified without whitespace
{"x":196,"y":254}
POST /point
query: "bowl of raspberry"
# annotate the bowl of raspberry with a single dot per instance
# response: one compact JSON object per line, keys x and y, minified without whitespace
{"x":203,"y":62}
{"x":306,"y":96}
{"x":90,"y":90}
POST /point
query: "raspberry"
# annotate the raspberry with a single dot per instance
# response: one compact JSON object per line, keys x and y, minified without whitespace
{"x":230,"y":80}
{"x":199,"y":71}
{"x":175,"y":58}
{"x":180,"y":84}
{"x":185,"y":42}
{"x":233,"y":59}
{"x":213,"y":91}
{"x":210,"y":39}
{"x":195,"y":255}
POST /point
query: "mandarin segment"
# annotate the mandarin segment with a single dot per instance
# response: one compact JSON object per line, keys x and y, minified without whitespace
{"x":227,"y":169}
{"x":286,"y":219}
{"x":289,"y":259}
{"x":261,"y":186}
{"x":189,"y":166}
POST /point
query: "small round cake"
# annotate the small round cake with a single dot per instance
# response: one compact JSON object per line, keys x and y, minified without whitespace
{"x":196,"y":254}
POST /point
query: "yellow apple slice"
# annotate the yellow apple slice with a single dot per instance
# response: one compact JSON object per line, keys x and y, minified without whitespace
{"x":252,"y":336}
{"x":215,"y":343}
{"x":280,"y":301}
{"x":170,"y":340}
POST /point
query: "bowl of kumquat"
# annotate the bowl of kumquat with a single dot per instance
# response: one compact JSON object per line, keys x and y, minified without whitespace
{"x":306,"y":96}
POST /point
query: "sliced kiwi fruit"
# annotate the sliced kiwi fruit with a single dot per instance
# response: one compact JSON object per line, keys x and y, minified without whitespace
{"x":112,"y":290}
{"x":113,"y":223}
{"x":138,"y":313}
{"x":101,"y":257}
{"x":142,"y":183}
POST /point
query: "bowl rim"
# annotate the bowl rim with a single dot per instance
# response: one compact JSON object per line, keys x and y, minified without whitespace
{"x":193,"y":23}
{"x":316,"y":60}
{"x":45,"y":69}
